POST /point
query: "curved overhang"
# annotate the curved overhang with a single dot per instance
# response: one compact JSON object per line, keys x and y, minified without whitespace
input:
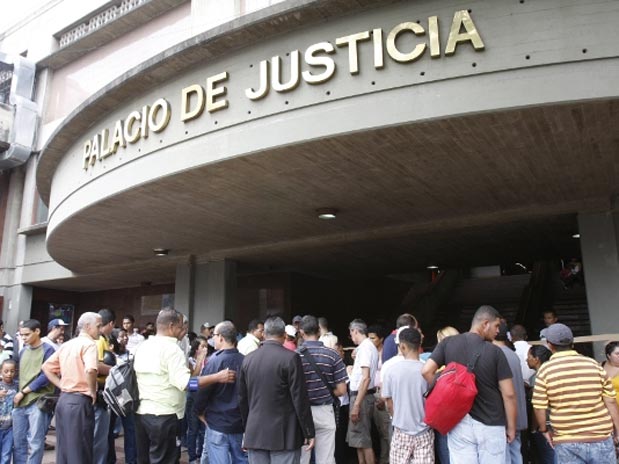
{"x":509,"y":134}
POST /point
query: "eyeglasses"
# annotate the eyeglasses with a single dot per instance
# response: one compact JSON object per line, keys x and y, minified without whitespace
{"x":216,"y":334}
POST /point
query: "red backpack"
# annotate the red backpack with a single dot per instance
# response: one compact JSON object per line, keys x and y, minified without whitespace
{"x":452,"y":396}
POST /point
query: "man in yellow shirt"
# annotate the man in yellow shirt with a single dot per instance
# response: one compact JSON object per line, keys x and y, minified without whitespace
{"x":102,"y":414}
{"x":163,"y":379}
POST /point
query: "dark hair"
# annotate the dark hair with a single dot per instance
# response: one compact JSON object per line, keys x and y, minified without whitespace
{"x":253,"y":325}
{"x":8,"y":361}
{"x":378,"y":330}
{"x":129,"y":317}
{"x":550,"y":311}
{"x":411,"y":338}
{"x":322,"y":322}
{"x":116,"y":345}
{"x":406,"y":319}
{"x":107,"y":316}
{"x":309,"y":325}
{"x":540,"y":352}
{"x":191,"y":336}
{"x":32,"y":324}
{"x":610,"y":347}
{"x":485,"y":313}
{"x":193,"y":347}
{"x":518,"y":332}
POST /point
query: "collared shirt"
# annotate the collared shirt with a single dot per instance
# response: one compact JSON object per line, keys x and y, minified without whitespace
{"x":367,"y":356}
{"x":133,"y":341}
{"x":330,"y":364}
{"x":102,"y":346}
{"x":162,"y":374}
{"x":247,"y":344}
{"x":71,"y":361}
{"x":573,"y":386}
{"x":49,"y":341}
{"x":220,"y":401}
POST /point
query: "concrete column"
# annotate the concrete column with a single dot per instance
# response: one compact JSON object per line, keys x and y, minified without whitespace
{"x":599,"y":234}
{"x":206,"y":292}
{"x":183,"y":287}
{"x":17,"y":306}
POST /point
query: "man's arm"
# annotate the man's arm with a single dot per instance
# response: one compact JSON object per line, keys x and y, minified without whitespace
{"x":506,"y":386}
{"x":363,"y":389}
{"x":340,"y":389}
{"x":429,"y":370}
{"x":613,"y":410}
{"x":389,"y":402}
{"x":223,"y":376}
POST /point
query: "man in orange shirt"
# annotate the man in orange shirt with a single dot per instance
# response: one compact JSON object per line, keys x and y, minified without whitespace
{"x":73,"y":369}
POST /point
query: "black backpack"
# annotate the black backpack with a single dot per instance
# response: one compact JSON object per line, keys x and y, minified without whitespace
{"x":121,"y":389}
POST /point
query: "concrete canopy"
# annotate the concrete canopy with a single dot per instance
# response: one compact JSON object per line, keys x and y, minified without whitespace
{"x":494,"y":173}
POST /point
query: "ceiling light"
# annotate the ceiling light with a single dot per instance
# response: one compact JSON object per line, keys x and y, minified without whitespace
{"x":326,"y":213}
{"x":432,"y":267}
{"x":161,"y":251}
{"x":575,"y":235}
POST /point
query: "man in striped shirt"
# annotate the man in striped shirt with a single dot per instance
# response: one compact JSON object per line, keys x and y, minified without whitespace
{"x":332,"y":367}
{"x":581,"y":400}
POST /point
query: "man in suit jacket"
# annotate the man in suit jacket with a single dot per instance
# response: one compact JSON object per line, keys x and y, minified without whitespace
{"x":273,"y":400}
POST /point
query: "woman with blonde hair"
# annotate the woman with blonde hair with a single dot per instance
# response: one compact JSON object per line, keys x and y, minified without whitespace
{"x":440,"y":441}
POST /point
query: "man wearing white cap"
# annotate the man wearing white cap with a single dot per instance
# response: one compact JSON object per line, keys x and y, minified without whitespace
{"x":55,"y":328}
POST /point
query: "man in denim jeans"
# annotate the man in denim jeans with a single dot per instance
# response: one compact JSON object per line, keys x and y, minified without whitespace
{"x":29,"y":422}
{"x":581,"y":399}
{"x":218,"y":404}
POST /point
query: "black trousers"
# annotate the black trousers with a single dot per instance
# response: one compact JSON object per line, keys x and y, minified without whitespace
{"x":156,"y":438}
{"x":75,"y":427}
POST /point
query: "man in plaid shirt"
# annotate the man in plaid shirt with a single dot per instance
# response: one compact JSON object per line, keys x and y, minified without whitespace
{"x":403,"y":388}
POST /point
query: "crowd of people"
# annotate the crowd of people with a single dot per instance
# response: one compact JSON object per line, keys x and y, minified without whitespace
{"x":290,"y":393}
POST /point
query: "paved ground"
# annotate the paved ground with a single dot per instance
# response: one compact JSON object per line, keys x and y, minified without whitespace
{"x":50,"y":456}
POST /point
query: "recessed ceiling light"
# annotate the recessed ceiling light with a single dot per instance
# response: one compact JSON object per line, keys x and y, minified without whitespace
{"x":432,"y":267}
{"x":575,"y":235}
{"x":327,"y":213}
{"x":161,"y":251}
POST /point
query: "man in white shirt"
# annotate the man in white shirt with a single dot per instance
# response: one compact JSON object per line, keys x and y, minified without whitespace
{"x":251,"y":341}
{"x":362,"y":391}
{"x":522,"y":347}
{"x":132,"y":332}
{"x":55,"y":328}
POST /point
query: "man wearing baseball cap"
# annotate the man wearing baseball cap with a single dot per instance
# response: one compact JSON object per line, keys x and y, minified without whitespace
{"x":581,"y":400}
{"x":55,"y":328}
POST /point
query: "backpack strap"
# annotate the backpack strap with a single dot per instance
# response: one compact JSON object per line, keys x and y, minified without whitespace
{"x":306,"y":354}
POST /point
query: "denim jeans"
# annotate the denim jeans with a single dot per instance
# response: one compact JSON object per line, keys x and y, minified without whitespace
{"x":29,"y":429}
{"x":472,"y":442}
{"x":599,"y":452}
{"x":131,"y":450}
{"x":513,"y":451}
{"x":441,"y":448}
{"x":225,"y":448}
{"x":102,"y":427}
{"x":544,"y":453}
{"x":195,"y":430}
{"x":6,"y":439}
{"x":204,"y":458}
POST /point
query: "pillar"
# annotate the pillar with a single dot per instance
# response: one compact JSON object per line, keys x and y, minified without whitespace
{"x":206,"y":292}
{"x":598,"y":241}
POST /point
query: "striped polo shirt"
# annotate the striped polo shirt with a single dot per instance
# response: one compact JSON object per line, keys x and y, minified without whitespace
{"x":332,"y":367}
{"x":572,"y":386}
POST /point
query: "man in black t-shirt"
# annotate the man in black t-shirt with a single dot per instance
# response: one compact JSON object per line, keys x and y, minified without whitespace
{"x":482,"y":435}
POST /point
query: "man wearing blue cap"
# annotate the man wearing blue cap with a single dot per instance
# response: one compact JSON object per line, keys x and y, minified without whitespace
{"x":55,"y":328}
